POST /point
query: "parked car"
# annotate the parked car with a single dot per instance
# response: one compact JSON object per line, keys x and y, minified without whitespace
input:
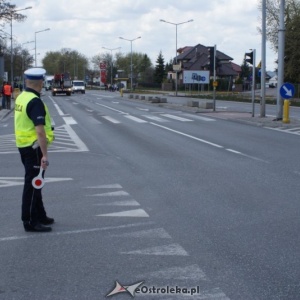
{"x":78,"y":86}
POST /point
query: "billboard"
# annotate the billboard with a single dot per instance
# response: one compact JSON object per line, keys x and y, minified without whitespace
{"x":102,"y":72}
{"x":200,"y":77}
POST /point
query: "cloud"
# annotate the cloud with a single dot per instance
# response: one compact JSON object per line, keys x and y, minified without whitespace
{"x":87,"y":26}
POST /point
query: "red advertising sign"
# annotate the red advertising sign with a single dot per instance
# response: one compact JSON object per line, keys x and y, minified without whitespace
{"x":102,"y":65}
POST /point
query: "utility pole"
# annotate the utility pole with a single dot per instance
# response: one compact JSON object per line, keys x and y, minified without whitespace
{"x":263,"y":62}
{"x":281,"y":46}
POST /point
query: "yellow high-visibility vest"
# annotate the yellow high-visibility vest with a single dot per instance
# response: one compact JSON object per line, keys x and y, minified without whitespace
{"x":24,"y":128}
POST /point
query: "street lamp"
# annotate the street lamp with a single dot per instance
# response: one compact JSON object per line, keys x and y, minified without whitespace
{"x":130,"y":56}
{"x":23,"y":62}
{"x":111,"y":63}
{"x":35,"y":41}
{"x":176,"y":24}
{"x":11,"y":46}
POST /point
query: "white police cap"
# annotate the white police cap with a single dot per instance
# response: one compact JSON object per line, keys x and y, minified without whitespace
{"x":35,"y":73}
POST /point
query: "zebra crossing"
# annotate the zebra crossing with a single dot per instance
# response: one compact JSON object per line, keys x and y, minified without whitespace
{"x":66,"y":140}
{"x":294,"y":130}
{"x":161,"y":118}
{"x":111,"y":201}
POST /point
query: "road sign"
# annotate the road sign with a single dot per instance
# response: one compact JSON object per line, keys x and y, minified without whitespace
{"x":287,"y":90}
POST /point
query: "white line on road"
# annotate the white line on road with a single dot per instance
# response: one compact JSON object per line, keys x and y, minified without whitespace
{"x":172,"y":249}
{"x":69,"y":121}
{"x":119,"y":111}
{"x":187,"y":135}
{"x":134,"y":213}
{"x":135,"y":119}
{"x":176,"y":118}
{"x":207,"y":142}
{"x":233,"y":151}
{"x":39,"y":235}
{"x":110,"y":119}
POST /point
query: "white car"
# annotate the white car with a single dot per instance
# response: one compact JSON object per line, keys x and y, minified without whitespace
{"x":78,"y":86}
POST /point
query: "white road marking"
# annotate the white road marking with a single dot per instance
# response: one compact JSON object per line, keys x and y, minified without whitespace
{"x":34,"y":235}
{"x":69,"y":121}
{"x":176,"y":118}
{"x":120,"y":203}
{"x":150,"y":233}
{"x":111,"y":194}
{"x":197,"y":117}
{"x":110,"y":119}
{"x":79,"y":143}
{"x":105,"y":186}
{"x":172,"y":249}
{"x":135,"y":213}
{"x":119,"y":111}
{"x":57,"y":107}
{"x":189,"y":136}
{"x":155,"y":118}
{"x":233,"y":151}
{"x":282,"y":129}
{"x":138,"y":120}
{"x":188,"y":273}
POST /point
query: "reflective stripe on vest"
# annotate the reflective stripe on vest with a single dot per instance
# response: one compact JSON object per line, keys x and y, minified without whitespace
{"x":24,"y":128}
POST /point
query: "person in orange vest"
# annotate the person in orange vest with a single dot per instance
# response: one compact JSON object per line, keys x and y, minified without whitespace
{"x":8,"y":90}
{"x":3,"y":96}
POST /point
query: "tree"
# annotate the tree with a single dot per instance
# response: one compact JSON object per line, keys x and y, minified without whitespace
{"x":8,"y":14}
{"x":292,"y":49}
{"x":292,"y":33}
{"x":160,"y":72}
{"x":66,"y":60}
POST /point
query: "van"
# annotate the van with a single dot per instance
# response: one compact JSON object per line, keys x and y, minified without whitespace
{"x":78,"y":86}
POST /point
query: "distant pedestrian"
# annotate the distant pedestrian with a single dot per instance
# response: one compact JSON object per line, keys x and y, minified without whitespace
{"x":8,"y":90}
{"x":3,"y":96}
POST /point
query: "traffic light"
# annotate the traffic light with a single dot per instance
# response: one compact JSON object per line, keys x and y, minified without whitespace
{"x":211,"y":58}
{"x":250,"y":59}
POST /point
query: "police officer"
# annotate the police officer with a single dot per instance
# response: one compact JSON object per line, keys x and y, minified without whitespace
{"x":33,"y":133}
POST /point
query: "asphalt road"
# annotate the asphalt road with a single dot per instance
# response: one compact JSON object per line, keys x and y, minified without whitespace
{"x":143,"y":193}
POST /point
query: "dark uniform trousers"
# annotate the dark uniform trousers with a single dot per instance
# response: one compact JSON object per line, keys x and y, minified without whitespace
{"x":32,"y":204}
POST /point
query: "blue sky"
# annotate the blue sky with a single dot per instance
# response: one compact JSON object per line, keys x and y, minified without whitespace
{"x":87,"y":26}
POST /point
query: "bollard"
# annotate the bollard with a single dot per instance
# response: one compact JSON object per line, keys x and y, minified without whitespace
{"x":121,"y":92}
{"x":286,"y":108}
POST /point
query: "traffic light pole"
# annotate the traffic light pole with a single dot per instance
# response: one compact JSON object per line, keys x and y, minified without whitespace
{"x":253,"y":82}
{"x":281,"y":46}
{"x":214,"y":87}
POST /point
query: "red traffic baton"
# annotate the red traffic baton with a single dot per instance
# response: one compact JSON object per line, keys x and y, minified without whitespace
{"x":38,"y":182}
